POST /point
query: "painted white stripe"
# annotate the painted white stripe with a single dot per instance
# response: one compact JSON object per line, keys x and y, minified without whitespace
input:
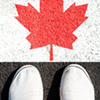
{"x":15,"y":47}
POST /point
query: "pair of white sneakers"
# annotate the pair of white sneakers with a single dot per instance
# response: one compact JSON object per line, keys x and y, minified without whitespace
{"x":75,"y":84}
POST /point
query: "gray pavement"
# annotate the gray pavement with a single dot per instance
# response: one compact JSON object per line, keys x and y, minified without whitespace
{"x":51,"y":75}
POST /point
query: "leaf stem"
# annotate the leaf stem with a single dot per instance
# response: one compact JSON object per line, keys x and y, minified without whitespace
{"x":51,"y":52}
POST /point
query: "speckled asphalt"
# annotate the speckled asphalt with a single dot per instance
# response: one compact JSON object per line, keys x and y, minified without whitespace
{"x":51,"y":75}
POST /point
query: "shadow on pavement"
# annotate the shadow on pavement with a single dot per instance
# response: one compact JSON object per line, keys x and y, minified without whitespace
{"x":5,"y":91}
{"x":54,"y":90}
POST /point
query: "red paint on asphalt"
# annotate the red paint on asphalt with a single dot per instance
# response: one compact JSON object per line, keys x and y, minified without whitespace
{"x":51,"y":25}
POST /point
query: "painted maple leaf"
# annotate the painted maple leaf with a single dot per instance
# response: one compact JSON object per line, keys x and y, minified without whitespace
{"x":51,"y":25}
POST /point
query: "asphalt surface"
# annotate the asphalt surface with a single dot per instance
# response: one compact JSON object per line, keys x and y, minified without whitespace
{"x":51,"y":75}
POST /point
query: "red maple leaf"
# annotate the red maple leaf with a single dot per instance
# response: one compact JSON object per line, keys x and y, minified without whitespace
{"x":51,"y":25}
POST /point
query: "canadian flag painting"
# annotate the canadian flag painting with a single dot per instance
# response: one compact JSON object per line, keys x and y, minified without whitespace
{"x":49,"y":30}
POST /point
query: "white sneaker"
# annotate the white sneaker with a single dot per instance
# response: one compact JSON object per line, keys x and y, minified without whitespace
{"x":76,"y":84}
{"x":26,"y":84}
